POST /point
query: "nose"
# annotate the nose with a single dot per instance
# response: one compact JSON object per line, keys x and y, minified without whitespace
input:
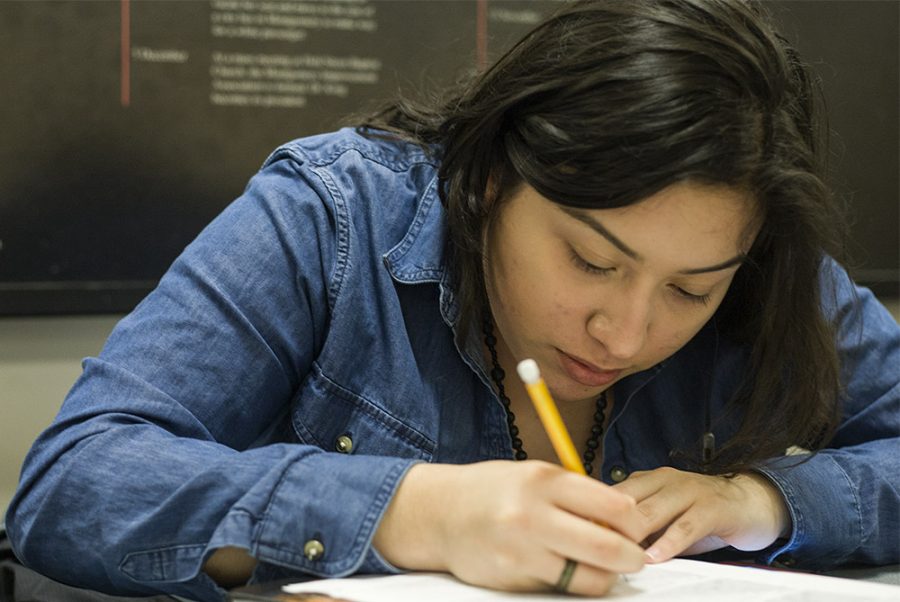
{"x":622,"y":326}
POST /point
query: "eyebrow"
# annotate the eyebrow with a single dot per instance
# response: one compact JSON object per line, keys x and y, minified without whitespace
{"x":617,"y":242}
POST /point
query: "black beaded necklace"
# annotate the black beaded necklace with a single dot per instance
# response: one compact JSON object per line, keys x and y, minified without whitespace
{"x":497,"y":375}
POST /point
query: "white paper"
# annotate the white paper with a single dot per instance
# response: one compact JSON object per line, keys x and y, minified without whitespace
{"x":673,"y":581}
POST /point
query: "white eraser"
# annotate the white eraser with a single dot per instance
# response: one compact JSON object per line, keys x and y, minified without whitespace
{"x":528,"y":371}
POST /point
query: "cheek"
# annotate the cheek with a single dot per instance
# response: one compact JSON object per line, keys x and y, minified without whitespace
{"x":557,"y":312}
{"x":539,"y":303}
{"x":674,"y":335}
{"x":527,"y":284}
{"x":514,"y":290}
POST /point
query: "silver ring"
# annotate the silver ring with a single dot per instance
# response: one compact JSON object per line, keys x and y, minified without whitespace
{"x":562,"y":584}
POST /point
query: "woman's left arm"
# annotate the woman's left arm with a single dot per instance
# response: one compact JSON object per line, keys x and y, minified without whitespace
{"x":838,"y":506}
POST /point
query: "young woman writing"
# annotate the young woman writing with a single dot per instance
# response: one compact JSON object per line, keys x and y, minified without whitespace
{"x":323,"y":383}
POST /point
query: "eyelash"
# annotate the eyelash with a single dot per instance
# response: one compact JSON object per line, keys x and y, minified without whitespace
{"x":698,"y":299}
{"x":590,"y":268}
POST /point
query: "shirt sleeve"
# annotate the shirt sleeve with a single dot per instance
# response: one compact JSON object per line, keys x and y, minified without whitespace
{"x":162,"y":452}
{"x":844,"y":501}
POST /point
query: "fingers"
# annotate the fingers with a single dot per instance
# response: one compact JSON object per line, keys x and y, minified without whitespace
{"x":689,"y":528}
{"x":515,"y":525}
{"x":589,"y":544}
{"x":600,"y":551}
{"x":600,"y":503}
{"x":547,"y":515}
{"x":745,"y":512}
{"x":585,"y":580}
{"x":642,"y":484}
{"x":662,"y":496}
{"x":568,"y":529}
{"x":543,"y":570}
{"x":685,"y":512}
{"x":666,"y":499}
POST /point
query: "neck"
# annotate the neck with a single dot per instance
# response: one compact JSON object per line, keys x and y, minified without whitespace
{"x":586,"y":421}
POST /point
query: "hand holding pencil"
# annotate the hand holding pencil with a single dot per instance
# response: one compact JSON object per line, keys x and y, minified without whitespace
{"x":549,"y":414}
{"x":530,"y":524}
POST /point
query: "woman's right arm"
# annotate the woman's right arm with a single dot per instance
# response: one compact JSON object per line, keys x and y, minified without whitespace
{"x":167,"y":447}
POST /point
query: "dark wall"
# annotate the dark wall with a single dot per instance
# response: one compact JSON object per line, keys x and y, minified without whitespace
{"x":854,"y":47}
{"x":126,"y":126}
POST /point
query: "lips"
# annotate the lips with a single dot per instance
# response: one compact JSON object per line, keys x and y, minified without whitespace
{"x":584,"y":373}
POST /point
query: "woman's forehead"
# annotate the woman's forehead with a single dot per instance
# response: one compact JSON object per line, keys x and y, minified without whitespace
{"x":716,"y":220}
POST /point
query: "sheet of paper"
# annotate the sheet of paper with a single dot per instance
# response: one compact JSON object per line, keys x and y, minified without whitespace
{"x":674,"y":581}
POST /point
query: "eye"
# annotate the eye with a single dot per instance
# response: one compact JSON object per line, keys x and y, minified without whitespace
{"x":691,"y":297}
{"x":586,"y":266}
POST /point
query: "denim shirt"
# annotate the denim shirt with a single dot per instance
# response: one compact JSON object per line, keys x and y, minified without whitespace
{"x":300,"y":356}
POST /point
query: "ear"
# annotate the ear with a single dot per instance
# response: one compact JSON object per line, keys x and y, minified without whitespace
{"x":490,"y":198}
{"x":491,"y":190}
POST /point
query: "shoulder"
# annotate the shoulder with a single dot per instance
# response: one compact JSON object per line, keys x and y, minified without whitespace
{"x":377,"y":178}
{"x":377,"y":190}
{"x":324,"y":150}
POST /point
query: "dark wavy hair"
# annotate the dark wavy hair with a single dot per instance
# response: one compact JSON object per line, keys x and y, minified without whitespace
{"x":608,"y":102}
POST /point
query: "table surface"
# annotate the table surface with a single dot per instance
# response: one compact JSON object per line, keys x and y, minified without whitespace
{"x":889,"y":574}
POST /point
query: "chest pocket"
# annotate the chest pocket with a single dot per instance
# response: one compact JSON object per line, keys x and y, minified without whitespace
{"x":333,"y":418}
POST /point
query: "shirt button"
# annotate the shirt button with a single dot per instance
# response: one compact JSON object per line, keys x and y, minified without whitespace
{"x":344,"y":444}
{"x":313,"y":549}
{"x":618,"y":474}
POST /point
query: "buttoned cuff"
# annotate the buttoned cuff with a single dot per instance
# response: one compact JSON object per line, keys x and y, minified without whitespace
{"x":826,"y":521}
{"x":332,"y":499}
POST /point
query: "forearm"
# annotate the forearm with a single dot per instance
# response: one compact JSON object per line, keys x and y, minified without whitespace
{"x":770,"y":503}
{"x":411,"y":533}
{"x":121,"y":521}
{"x":844,"y":505}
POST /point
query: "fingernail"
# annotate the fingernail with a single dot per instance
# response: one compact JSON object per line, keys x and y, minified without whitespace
{"x":652,"y":555}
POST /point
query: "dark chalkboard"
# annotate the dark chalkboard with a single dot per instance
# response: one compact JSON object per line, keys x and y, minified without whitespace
{"x":125,"y":127}
{"x":854,"y":47}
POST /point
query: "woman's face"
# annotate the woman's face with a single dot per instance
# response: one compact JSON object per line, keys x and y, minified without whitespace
{"x":596,"y":294}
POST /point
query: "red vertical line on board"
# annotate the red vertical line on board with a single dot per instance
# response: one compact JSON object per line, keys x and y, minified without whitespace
{"x":481,"y":25}
{"x":125,"y":50}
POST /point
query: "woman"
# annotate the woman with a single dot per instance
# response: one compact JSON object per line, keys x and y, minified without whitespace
{"x":320,"y":383}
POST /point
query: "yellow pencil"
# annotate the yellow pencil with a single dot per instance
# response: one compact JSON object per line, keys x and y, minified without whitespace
{"x":549,"y":414}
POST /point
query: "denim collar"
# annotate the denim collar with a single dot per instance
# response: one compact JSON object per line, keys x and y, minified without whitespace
{"x":421,"y":255}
